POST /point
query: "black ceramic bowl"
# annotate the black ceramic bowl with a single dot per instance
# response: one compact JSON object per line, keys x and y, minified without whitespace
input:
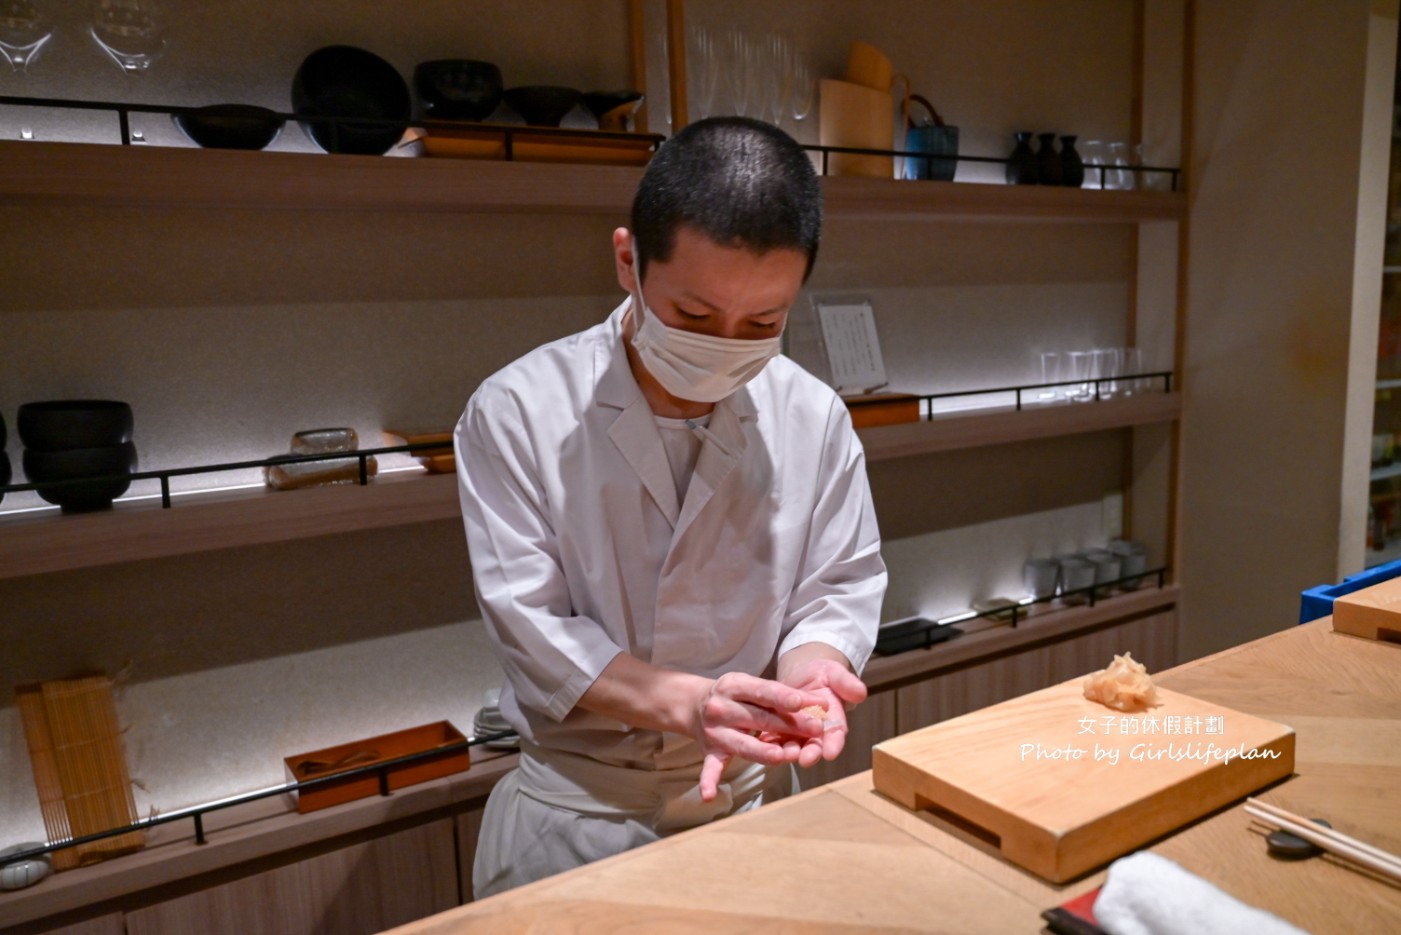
{"x":457,"y":88}
{"x":5,"y":474}
{"x":612,"y":108}
{"x":96,"y":476}
{"x":543,"y":105}
{"x":344,"y":81}
{"x":230,"y":126}
{"x":56,"y":424}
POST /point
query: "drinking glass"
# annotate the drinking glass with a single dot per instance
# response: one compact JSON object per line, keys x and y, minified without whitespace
{"x":1123,"y":179}
{"x":1094,"y":153}
{"x":132,"y":32}
{"x":1053,"y":370}
{"x":1109,"y":366}
{"x":1082,"y":371}
{"x":1132,"y":367}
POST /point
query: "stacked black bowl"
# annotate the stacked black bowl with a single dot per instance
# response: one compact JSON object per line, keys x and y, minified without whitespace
{"x":78,"y":450}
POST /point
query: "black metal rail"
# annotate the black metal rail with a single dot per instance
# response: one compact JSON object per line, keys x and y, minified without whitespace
{"x":197,"y":812}
{"x":1017,"y":613}
{"x":1097,"y":393}
{"x":362,"y":455}
{"x":1138,"y":171}
{"x":510,"y":131}
{"x":335,"y":122}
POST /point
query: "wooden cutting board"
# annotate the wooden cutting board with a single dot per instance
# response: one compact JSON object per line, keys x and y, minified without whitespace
{"x":1061,"y":785}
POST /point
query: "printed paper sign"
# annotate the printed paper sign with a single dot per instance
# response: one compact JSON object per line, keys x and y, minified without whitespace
{"x":853,"y":350}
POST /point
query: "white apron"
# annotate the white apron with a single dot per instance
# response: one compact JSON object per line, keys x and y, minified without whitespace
{"x":543,"y":817}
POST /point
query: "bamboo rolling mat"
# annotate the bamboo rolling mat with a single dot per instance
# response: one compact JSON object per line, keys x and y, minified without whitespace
{"x":80,"y":770}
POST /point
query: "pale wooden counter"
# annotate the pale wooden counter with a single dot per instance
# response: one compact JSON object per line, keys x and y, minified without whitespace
{"x":843,"y":859}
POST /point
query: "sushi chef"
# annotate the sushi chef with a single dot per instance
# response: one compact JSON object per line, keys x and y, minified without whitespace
{"x":670,"y":526}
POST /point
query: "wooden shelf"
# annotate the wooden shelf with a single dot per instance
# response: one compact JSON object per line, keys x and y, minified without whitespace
{"x":46,"y":541}
{"x":154,"y":176}
{"x":985,"y":639}
{"x":35,"y":543}
{"x":243,"y":833}
{"x":980,"y":428}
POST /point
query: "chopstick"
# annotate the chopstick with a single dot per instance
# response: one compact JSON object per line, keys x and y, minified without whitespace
{"x":1345,"y":846}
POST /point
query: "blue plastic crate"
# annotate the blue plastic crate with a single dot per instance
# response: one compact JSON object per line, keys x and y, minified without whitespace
{"x":1318,"y":602}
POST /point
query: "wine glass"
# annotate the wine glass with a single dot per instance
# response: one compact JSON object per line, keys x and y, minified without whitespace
{"x":132,"y":32}
{"x":24,"y":31}
{"x":804,"y":86}
{"x":738,"y":64}
{"x":780,"y":83}
{"x":704,"y":70}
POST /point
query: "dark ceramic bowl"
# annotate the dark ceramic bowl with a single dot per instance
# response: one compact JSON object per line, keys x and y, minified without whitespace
{"x":5,"y":473}
{"x":457,"y":88}
{"x":95,"y":476}
{"x":344,"y":81}
{"x":612,"y":108}
{"x":230,"y":126}
{"x":57,"y":424}
{"x":543,"y":105}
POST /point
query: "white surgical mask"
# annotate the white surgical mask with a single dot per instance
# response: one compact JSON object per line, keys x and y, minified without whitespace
{"x":698,"y":367}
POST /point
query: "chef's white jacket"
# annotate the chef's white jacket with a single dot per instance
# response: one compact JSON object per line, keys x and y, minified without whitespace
{"x":581,"y":551}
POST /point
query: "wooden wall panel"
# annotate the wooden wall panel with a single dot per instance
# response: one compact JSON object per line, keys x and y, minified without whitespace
{"x":950,"y":694}
{"x":869,"y":723}
{"x":364,"y":888}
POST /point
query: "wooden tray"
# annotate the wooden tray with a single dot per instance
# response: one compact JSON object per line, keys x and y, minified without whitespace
{"x":873,"y":409}
{"x":483,"y":141}
{"x":348,"y":756}
{"x":438,"y":460}
{"x":995,"y":773}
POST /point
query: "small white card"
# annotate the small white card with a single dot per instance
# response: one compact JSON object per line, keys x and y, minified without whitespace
{"x":853,"y":350}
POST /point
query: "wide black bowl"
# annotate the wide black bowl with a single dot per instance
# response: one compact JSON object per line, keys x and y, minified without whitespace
{"x":612,"y":108}
{"x":5,"y":473}
{"x":457,"y":88}
{"x":543,"y":105}
{"x":57,"y":424}
{"x":94,"y":476}
{"x":345,"y":81}
{"x":230,"y":126}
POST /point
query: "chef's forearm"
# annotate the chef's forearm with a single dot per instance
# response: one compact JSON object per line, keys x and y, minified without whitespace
{"x":640,"y":694}
{"x":799,"y":656}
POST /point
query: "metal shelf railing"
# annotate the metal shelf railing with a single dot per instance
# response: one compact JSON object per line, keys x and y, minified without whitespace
{"x":335,"y":122}
{"x":196,"y":813}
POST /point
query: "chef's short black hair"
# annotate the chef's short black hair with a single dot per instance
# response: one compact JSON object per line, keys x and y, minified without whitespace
{"x":738,"y":181}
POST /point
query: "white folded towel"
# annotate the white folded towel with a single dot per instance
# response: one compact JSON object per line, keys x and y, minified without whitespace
{"x":1150,"y":895}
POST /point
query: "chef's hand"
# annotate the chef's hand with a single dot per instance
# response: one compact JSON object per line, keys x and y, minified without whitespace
{"x":757,"y":719}
{"x":824,"y":671}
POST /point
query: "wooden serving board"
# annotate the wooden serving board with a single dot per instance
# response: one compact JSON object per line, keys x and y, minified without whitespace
{"x":1037,"y":776}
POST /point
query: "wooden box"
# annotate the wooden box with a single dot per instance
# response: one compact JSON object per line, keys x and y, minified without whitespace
{"x":1373,"y":613}
{"x":372,"y":750}
{"x":1009,"y":774}
{"x":875,"y":409}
